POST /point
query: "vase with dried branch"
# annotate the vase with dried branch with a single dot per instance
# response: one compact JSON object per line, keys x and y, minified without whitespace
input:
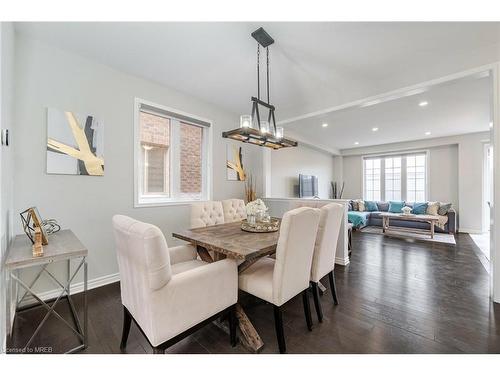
{"x":250,"y":189}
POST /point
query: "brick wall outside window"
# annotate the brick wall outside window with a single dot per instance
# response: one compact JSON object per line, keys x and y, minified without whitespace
{"x":191,"y":163}
{"x":157,"y":134}
{"x":155,"y":129}
{"x":155,"y":137}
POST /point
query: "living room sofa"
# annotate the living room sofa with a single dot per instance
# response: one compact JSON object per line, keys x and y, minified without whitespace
{"x":361,"y":219}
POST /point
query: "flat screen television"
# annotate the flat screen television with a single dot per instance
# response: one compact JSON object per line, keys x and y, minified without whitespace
{"x":308,"y":186}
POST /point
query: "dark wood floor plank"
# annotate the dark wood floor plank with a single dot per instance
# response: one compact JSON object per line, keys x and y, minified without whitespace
{"x":396,"y":296}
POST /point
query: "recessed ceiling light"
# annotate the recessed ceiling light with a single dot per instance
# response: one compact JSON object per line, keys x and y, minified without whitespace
{"x":427,"y":133}
{"x":374,"y":129}
{"x":324,"y":125}
{"x":356,"y":143}
{"x":423,"y":103}
{"x":491,"y":124}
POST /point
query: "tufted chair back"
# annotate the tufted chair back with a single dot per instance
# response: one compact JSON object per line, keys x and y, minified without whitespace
{"x":204,"y":214}
{"x":234,"y":210}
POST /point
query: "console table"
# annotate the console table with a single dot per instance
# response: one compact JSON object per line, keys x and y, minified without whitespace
{"x":63,"y":246}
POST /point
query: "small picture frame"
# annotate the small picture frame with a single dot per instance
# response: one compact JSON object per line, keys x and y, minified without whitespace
{"x":30,"y":219}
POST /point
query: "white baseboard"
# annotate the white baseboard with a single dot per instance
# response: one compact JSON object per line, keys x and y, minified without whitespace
{"x":75,"y":288}
{"x":470,"y":231}
{"x":342,"y":261}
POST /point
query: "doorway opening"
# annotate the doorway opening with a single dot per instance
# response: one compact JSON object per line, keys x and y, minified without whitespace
{"x":482,"y":240}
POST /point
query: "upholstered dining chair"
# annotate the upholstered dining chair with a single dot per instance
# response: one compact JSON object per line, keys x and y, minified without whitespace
{"x":325,"y":248}
{"x":313,"y":203}
{"x":279,"y":280}
{"x":207,"y":213}
{"x":169,"y":293}
{"x":234,"y":210}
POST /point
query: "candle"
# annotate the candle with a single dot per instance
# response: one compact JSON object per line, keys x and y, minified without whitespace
{"x":264,"y":127}
{"x":279,"y":132}
{"x":245,"y":121}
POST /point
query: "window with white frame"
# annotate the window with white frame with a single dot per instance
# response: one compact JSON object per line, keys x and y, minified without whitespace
{"x":396,"y":177}
{"x":172,"y":156}
{"x":372,"y":179}
{"x":392,"y":178}
{"x":416,"y":178}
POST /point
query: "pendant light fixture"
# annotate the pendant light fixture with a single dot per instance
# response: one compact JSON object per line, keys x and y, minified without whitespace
{"x":252,"y":128}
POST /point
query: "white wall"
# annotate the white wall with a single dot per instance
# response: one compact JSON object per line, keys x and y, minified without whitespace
{"x":49,"y":77}
{"x":443,"y":174}
{"x":6,"y":156}
{"x":288,"y":163}
{"x":352,"y":176}
{"x":338,"y":171}
{"x":470,"y":182}
{"x":455,"y":173}
{"x":495,"y":212}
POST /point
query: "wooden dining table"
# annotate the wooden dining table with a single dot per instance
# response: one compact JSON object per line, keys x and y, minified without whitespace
{"x":229,"y":240}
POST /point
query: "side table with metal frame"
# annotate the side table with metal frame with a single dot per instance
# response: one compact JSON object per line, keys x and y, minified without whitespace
{"x":63,"y":246}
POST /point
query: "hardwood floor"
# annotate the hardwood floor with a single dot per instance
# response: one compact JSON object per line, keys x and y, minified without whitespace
{"x":396,"y":296}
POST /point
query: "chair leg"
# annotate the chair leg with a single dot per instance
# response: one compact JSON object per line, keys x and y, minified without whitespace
{"x":232,"y":326}
{"x":278,"y":322}
{"x":307,"y":309}
{"x":332,"y":287}
{"x":127,"y":320}
{"x":317,"y":303}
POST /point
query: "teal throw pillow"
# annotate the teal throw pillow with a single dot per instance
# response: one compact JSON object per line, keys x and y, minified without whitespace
{"x":396,"y":206}
{"x":371,"y":206}
{"x":419,"y":208}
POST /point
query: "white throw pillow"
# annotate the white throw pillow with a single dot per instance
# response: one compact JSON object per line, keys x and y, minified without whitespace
{"x":432,"y":208}
{"x":361,"y":205}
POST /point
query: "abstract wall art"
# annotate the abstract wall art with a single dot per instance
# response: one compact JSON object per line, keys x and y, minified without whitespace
{"x":75,"y":144}
{"x":234,"y":164}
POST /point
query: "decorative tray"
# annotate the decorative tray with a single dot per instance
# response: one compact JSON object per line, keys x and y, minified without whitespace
{"x":261,"y":227}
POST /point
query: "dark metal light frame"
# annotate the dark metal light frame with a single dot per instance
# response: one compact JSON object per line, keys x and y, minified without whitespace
{"x":250,"y":134}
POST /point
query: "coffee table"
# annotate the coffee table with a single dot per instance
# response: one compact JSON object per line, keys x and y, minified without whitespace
{"x":431,"y":219}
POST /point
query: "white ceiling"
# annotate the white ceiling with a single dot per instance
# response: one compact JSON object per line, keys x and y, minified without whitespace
{"x":456,"y":107}
{"x":313,"y":65}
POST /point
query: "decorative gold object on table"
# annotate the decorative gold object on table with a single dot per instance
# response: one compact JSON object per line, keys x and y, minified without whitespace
{"x":37,"y":246}
{"x":261,"y":227}
{"x":31,"y":219}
